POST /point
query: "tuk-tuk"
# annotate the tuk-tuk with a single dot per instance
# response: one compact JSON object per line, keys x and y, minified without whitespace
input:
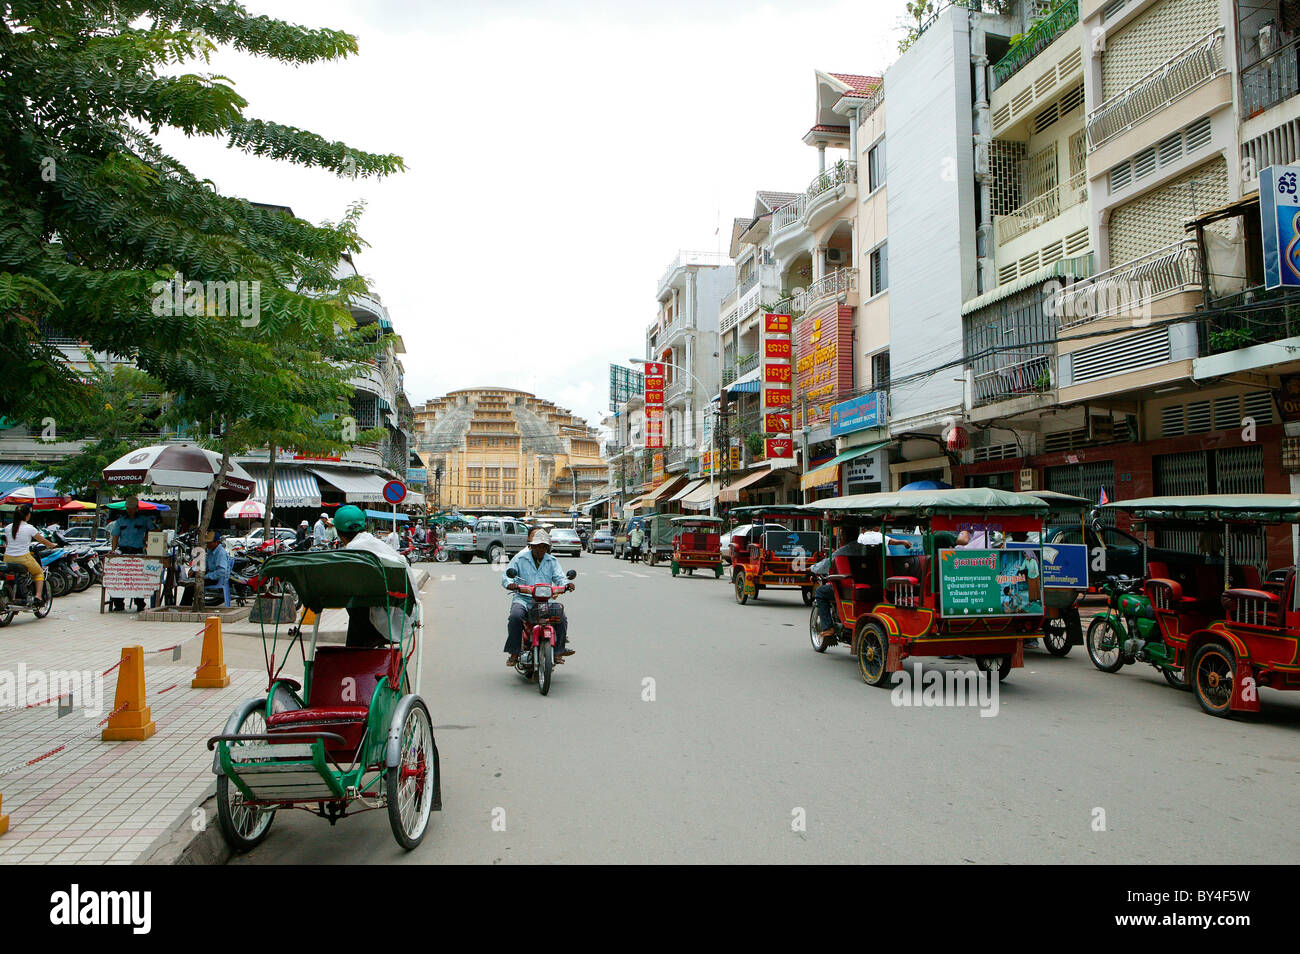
{"x":1229,"y":629}
{"x":658,"y":529}
{"x":775,"y":559}
{"x":697,"y":545}
{"x":1065,"y":570}
{"x":923,"y":592}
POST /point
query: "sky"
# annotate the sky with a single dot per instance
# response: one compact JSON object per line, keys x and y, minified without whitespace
{"x":559,"y":153}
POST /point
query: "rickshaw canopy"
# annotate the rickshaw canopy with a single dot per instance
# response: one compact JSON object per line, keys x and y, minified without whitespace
{"x":697,"y":521}
{"x":334,"y":579}
{"x":1214,"y":508}
{"x":770,"y":510}
{"x":1062,"y":503}
{"x":924,"y":503}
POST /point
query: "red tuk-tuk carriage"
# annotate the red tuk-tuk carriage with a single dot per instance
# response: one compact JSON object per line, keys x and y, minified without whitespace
{"x":697,"y":545}
{"x":775,"y":559}
{"x":936,"y":599}
{"x":1229,"y":628}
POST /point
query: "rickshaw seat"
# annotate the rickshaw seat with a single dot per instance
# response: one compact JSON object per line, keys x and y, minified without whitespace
{"x":1250,"y":577}
{"x":1167,"y":594}
{"x":1209,"y":582}
{"x":347,"y":721}
{"x":334,"y":664}
{"x":1256,"y":607}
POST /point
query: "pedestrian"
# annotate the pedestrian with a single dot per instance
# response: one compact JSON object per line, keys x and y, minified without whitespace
{"x":392,"y":539}
{"x":634,"y":539}
{"x":302,"y":539}
{"x":127,"y":535}
{"x":320,"y":532}
{"x":331,"y":533}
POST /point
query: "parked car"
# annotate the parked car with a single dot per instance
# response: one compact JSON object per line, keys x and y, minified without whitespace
{"x":256,"y":538}
{"x":1124,"y":553}
{"x":566,"y":541}
{"x":492,"y":539}
{"x":602,"y":538}
{"x":85,"y":533}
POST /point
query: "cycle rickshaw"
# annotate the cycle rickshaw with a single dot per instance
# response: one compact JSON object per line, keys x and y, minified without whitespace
{"x":353,"y":736}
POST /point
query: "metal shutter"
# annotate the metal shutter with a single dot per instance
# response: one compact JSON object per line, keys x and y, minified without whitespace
{"x":1155,"y":220}
{"x":1152,"y":39}
{"x":1084,"y":480}
{"x":1240,"y":470}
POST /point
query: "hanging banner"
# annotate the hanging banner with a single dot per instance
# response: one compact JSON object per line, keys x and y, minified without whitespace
{"x":778,"y":447}
{"x":777,"y":422}
{"x":824,"y":361}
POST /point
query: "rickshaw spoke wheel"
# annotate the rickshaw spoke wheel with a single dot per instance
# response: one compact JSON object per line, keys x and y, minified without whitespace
{"x":409,"y":786}
{"x":1213,"y":678}
{"x":243,"y":826}
{"x":815,"y":633}
{"x":1104,"y":645}
{"x":1061,"y":632}
{"x":873,"y":654}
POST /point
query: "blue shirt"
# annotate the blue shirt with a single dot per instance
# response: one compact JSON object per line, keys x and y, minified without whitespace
{"x":130,"y":531}
{"x":218,"y":562}
{"x":529,"y":573}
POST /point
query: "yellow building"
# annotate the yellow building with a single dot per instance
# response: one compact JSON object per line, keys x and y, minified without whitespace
{"x":498,"y":450}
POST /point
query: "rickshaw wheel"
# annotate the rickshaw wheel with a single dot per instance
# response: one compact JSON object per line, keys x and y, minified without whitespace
{"x":1104,"y":644}
{"x":815,"y":634}
{"x":1062,"y":631}
{"x":244,"y":828}
{"x":999,"y":664}
{"x":1213,"y":669}
{"x":807,"y":595}
{"x":409,"y":783}
{"x":873,"y":654}
{"x":738,"y":578}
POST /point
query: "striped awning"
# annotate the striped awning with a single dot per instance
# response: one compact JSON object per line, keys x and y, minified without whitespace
{"x":294,"y":487}
{"x":13,"y":476}
{"x":357,"y":486}
{"x":829,"y":472}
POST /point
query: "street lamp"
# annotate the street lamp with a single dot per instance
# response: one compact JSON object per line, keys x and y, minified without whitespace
{"x":713,"y":432}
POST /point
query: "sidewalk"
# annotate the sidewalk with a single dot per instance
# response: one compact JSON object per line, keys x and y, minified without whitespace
{"x":71,"y":798}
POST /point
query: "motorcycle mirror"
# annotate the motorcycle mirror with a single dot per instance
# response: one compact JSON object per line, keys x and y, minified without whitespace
{"x":572,"y":574}
{"x":511,"y":572}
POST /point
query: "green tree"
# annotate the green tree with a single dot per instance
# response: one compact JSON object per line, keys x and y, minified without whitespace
{"x":918,"y":11}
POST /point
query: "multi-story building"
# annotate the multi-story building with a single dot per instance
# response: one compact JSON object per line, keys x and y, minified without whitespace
{"x":499,"y":450}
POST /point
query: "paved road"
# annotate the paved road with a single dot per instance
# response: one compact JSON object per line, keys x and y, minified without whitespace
{"x":749,"y":729}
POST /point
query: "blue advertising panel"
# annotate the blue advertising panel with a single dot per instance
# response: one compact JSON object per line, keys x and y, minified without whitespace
{"x":1065,"y":565}
{"x":858,"y":414}
{"x":1279,"y":220}
{"x":417,"y":475}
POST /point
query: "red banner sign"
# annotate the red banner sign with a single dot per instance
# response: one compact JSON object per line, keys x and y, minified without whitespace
{"x":776,"y":372}
{"x":782,"y":447}
{"x":778,"y":397}
{"x":654,"y":369}
{"x":777,"y":423}
{"x":654,"y":398}
{"x":776,"y":324}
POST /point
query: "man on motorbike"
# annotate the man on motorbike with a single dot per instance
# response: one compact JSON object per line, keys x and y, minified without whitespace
{"x":534,"y":565}
{"x":18,"y":547}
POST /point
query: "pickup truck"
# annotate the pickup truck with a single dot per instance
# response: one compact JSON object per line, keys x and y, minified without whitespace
{"x":493,"y":538}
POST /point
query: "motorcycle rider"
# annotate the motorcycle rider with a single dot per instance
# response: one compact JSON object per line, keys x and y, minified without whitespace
{"x":18,"y":547}
{"x":534,"y":565}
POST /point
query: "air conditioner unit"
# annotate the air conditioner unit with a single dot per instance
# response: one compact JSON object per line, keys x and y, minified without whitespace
{"x":836,"y":256}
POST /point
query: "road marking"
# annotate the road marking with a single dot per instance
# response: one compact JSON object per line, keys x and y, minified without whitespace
{"x":644,"y":576}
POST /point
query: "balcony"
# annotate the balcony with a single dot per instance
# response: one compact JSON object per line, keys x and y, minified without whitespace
{"x":729,"y":320}
{"x":1018,"y":373}
{"x":834,"y":284}
{"x":1197,"y":64}
{"x":1036,"y":39}
{"x":676,"y":389}
{"x":746,"y":283}
{"x":1046,"y":207}
{"x":1174,"y":268}
{"x":1270,"y":80}
{"x":842,"y":173}
{"x":742,"y":367}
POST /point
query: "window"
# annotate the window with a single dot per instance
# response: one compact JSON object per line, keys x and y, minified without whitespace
{"x":876,"y":166}
{"x":880,"y":370}
{"x":879,"y":269}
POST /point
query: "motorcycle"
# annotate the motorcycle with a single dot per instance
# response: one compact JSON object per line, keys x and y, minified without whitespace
{"x":59,"y":577}
{"x":16,"y":589}
{"x":537,"y":649}
{"x":1127,"y":632}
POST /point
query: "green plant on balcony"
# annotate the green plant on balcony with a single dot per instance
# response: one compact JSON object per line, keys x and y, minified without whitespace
{"x":754,"y":444}
{"x":1044,"y":381}
{"x":1229,"y":339}
{"x":1042,"y":31}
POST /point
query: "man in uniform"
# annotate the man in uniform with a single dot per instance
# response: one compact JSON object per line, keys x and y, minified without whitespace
{"x":127,"y":535}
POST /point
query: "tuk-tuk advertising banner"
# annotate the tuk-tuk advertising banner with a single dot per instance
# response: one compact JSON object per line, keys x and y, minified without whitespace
{"x":1065,"y":565}
{"x":990,"y":583}
{"x":788,"y":544}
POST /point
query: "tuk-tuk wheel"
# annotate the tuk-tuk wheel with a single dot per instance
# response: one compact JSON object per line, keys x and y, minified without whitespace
{"x":1062,"y":632}
{"x":815,"y":633}
{"x":1105,"y":644}
{"x":999,"y":664}
{"x":1213,"y":669}
{"x":738,"y":578}
{"x":410,"y":783}
{"x":873,"y":654}
{"x":244,"y":828}
{"x":1176,"y":678}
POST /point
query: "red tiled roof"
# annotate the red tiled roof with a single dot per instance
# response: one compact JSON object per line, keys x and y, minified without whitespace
{"x":822,"y":127}
{"x":862,"y":85}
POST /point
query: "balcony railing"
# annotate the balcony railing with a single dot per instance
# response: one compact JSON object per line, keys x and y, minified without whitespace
{"x":1042,"y":209}
{"x":1036,"y":39}
{"x":842,"y":173}
{"x":832,"y":285}
{"x":746,"y":283}
{"x":1173,"y":268}
{"x":1270,"y":80}
{"x":789,"y":214}
{"x":747,"y":364}
{"x":677,"y":388}
{"x":1019,"y":373}
{"x":1198,"y":63}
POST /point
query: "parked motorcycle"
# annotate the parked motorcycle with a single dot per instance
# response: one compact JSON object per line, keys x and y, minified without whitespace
{"x":58,"y":575}
{"x":537,"y":649}
{"x":16,"y":589}
{"x":1126,"y":632}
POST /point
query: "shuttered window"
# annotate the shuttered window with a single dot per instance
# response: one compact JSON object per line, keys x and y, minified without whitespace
{"x":1152,"y":39}
{"x":1156,"y":219}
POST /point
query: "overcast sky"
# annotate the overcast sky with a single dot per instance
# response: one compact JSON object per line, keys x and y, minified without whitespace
{"x":560,"y":152}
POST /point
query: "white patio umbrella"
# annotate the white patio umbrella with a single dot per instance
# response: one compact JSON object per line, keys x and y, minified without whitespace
{"x":177,"y":467}
{"x":246,"y":509}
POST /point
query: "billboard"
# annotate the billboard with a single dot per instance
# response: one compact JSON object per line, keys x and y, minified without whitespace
{"x":859,"y":413}
{"x":990,"y":583}
{"x":654,"y":404}
{"x":1279,"y":220}
{"x":624,"y":384}
{"x":824,"y":360}
{"x":777,"y":375}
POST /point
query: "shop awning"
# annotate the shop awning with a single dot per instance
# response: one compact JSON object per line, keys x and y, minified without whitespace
{"x":682,"y":492}
{"x":293,"y":487}
{"x":732,"y":493}
{"x":13,"y":476}
{"x":387,"y":516}
{"x":698,"y":497}
{"x":357,"y":486}
{"x":745,"y":387}
{"x":671,"y":485}
{"x":829,"y":472}
{"x":592,"y":504}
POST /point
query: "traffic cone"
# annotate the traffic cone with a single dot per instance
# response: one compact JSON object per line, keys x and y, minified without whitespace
{"x":4,"y":819}
{"x":211,"y":673}
{"x":308,"y":618}
{"x":133,"y":722}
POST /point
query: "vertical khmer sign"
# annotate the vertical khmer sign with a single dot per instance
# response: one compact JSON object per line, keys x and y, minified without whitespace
{"x":777,"y":378}
{"x":654,"y":404}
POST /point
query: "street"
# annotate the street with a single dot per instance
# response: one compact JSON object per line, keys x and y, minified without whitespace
{"x":754,"y":749}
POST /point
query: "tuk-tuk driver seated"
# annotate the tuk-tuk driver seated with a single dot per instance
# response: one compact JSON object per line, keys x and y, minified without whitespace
{"x":534,"y":565}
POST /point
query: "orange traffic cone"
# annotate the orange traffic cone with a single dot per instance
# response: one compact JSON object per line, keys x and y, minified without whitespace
{"x":4,"y":819}
{"x":211,"y":673}
{"x":132,"y":720}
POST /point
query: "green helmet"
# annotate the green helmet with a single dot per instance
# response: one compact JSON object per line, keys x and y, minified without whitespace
{"x":349,"y":519}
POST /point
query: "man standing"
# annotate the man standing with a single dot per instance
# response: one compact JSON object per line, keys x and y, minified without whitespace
{"x":127,"y":535}
{"x":634,"y":539}
{"x":216,"y":568}
{"x":320,"y":532}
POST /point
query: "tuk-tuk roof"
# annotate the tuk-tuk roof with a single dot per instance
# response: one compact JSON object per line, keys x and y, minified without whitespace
{"x":708,"y":520}
{"x":772,"y":510}
{"x":1229,"y":508}
{"x":1061,"y":503}
{"x":952,"y":500}
{"x":333,"y":579}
